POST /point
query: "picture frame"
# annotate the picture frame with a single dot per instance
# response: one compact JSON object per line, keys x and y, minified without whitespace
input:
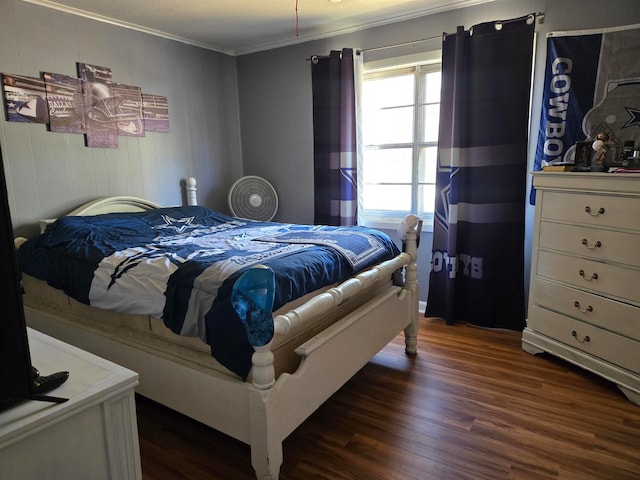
{"x":583,"y":154}
{"x":613,"y":157}
{"x":91,"y":104}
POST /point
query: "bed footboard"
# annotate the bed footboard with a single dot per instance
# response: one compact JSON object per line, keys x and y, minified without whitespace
{"x":332,"y":357}
{"x":263,"y":370}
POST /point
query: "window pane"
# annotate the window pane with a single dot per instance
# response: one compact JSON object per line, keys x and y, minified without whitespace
{"x":392,"y":165}
{"x":388,"y":92}
{"x":431,"y":122}
{"x":432,"y":87}
{"x":398,"y":165}
{"x":426,"y":199}
{"x":393,"y":125}
{"x":387,"y":197}
{"x":428,"y":163}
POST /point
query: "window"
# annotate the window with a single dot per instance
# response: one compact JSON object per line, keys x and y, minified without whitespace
{"x":400,"y":117}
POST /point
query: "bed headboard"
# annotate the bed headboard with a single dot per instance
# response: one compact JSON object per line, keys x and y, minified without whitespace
{"x":113,"y":205}
{"x":99,"y":206}
{"x":119,"y":204}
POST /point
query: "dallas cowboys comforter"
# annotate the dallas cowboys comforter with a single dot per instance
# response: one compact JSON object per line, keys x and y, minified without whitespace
{"x":180,"y":264}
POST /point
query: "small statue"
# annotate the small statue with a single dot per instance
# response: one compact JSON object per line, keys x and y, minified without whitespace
{"x":600,"y":148}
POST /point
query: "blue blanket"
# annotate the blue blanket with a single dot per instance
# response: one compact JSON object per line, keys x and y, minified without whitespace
{"x":357,"y":247}
{"x":180,"y":264}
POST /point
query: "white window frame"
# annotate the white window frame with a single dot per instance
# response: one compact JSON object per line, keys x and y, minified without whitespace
{"x":418,"y":65}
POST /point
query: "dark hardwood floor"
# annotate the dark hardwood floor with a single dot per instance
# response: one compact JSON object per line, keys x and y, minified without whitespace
{"x":470,"y":405}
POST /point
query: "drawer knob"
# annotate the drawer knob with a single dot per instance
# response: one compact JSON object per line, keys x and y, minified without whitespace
{"x":599,"y":212}
{"x":594,"y":276}
{"x":583,"y":310}
{"x":585,"y":242}
{"x":583,"y":340}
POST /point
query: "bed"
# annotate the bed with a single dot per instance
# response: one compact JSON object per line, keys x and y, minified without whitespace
{"x":319,"y":339}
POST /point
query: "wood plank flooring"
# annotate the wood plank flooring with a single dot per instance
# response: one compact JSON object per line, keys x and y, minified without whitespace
{"x":470,"y":405}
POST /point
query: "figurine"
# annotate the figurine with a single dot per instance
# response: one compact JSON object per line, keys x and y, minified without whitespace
{"x":600,"y":148}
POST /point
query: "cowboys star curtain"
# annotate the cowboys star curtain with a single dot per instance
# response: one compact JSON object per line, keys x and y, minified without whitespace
{"x":334,"y":139}
{"x":477,"y":267}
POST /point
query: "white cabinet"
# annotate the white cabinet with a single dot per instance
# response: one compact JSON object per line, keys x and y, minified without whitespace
{"x":93,"y":435}
{"x":584,"y":297}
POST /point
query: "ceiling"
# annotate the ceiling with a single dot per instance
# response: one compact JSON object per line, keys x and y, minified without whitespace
{"x":237,"y":27}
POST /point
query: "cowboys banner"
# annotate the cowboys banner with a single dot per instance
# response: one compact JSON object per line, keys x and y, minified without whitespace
{"x":592,"y":85}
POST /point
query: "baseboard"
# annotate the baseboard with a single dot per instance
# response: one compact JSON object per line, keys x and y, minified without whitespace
{"x":422,"y":306}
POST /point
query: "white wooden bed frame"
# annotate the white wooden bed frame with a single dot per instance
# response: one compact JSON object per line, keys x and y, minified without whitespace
{"x":263,"y":412}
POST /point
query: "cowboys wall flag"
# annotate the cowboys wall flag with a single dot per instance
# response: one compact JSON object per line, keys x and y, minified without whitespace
{"x":592,"y":85}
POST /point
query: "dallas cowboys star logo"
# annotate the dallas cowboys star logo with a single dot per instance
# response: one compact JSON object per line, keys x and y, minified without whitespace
{"x":180,"y":225}
{"x":634,"y":113}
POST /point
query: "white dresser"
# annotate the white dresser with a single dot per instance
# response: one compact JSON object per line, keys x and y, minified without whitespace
{"x":584,"y":297}
{"x":94,"y":435}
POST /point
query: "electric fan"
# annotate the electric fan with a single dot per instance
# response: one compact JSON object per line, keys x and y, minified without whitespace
{"x":253,"y":198}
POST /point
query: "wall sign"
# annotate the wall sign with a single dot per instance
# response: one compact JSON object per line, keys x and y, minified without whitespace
{"x":90,"y":104}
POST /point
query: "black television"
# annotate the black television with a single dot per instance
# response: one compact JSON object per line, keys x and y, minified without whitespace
{"x":18,"y":378}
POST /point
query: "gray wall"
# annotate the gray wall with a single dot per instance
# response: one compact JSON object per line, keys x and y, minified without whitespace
{"x":229,"y":116}
{"x":50,"y":173}
{"x":275,"y":91}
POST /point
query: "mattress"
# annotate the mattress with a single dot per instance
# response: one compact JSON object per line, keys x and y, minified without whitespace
{"x":180,"y":264}
{"x":150,"y":333}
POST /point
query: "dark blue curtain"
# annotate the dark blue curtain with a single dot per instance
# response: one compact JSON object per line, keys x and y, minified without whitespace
{"x":477,"y":268}
{"x":334,"y":139}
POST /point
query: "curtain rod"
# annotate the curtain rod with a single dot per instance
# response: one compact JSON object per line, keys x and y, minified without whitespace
{"x":404,"y":44}
{"x":314,"y":58}
{"x":539,"y":16}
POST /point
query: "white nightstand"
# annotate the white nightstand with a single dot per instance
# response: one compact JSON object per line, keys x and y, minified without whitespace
{"x":94,"y":435}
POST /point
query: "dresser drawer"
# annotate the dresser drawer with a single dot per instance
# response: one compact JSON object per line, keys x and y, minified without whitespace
{"x":614,"y":280}
{"x":595,"y":341}
{"x":617,"y":317}
{"x":589,"y":242}
{"x":596,"y":210}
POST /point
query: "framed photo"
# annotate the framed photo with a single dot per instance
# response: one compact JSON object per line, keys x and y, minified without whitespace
{"x":613,"y":157}
{"x":65,"y":101}
{"x":128,"y":110}
{"x":584,"y":153}
{"x":25,"y":99}
{"x":98,"y":104}
{"x":155,"y":110}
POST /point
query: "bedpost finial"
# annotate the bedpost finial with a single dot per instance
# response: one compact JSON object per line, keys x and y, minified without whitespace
{"x":190,"y":191}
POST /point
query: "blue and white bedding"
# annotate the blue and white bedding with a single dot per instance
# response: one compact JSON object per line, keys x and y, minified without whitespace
{"x":180,"y":264}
